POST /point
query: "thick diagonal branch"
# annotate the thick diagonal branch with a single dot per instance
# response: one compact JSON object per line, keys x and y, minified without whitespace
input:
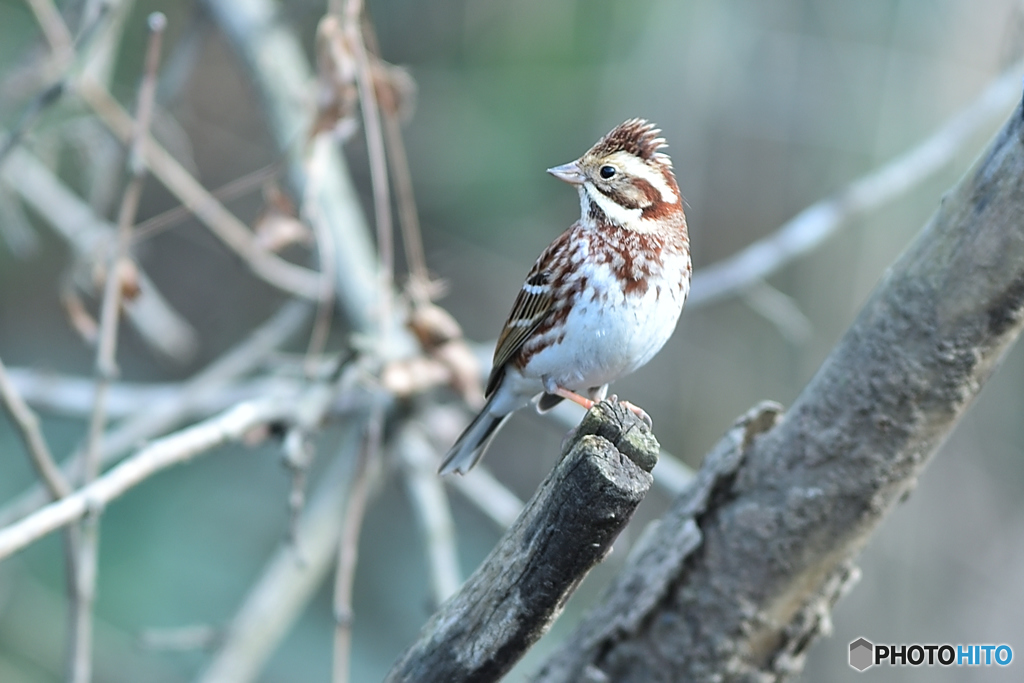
{"x":770,"y":529}
{"x":566,"y":528}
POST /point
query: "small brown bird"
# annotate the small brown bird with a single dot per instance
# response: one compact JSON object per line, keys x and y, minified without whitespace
{"x":602,"y":299}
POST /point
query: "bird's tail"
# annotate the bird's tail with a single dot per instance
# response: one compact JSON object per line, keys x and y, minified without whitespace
{"x":470,"y":447}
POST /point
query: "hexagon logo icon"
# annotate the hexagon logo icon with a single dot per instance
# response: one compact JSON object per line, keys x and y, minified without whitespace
{"x":861,"y":654}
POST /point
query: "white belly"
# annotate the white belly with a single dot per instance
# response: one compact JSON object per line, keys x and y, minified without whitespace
{"x":607,"y":334}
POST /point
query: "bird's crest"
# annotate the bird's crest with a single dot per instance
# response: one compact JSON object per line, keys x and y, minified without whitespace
{"x":635,"y":136}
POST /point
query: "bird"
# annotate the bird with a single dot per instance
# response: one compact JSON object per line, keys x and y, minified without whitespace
{"x":602,"y":299}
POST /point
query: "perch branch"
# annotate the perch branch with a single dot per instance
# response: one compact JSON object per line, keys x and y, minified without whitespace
{"x":566,"y":528}
{"x":739,"y":577}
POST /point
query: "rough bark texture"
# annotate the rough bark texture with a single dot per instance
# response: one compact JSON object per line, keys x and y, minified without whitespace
{"x":566,"y":528}
{"x":739,"y":578}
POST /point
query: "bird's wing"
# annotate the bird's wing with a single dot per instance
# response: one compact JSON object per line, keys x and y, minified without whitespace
{"x":531,"y":306}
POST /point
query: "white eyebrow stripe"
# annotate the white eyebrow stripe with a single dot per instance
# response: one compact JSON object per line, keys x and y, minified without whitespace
{"x":637,"y":168}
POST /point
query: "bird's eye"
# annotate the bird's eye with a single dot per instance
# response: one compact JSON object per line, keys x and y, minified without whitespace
{"x":607,"y":172}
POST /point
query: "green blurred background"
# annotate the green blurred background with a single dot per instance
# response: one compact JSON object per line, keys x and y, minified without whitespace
{"x":768,"y":106}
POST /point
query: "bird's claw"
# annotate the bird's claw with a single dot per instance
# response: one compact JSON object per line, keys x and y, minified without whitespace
{"x":636,"y":410}
{"x":641,"y":413}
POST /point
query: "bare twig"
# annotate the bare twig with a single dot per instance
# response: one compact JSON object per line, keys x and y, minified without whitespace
{"x":348,"y":543}
{"x":153,"y":415}
{"x":31,"y":114}
{"x":236,"y":188}
{"x":178,"y":448}
{"x":88,"y":235}
{"x":225,"y":225}
{"x":280,"y":72}
{"x":72,"y":396}
{"x":326,"y":247}
{"x":64,"y":54}
{"x":813,"y":225}
{"x":433,"y":512}
{"x":54,"y":28}
{"x":80,"y":653}
{"x":289,"y":581}
{"x":352,"y":25}
{"x":779,"y":309}
{"x":412,"y":239}
{"x":35,"y":443}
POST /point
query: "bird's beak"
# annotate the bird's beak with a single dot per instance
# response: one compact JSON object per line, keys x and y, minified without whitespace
{"x":569,"y":172}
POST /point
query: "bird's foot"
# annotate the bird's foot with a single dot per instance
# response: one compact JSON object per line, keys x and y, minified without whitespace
{"x":636,"y":410}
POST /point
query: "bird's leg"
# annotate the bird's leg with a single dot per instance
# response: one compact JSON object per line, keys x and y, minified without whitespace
{"x":571,"y":395}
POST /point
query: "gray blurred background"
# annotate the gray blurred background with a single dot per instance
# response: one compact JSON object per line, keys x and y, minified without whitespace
{"x":767,"y":106}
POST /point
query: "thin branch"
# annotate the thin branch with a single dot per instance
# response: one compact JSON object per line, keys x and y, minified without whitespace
{"x":780,"y":309}
{"x":175,"y":449}
{"x":35,"y":443}
{"x":289,"y":581}
{"x":280,"y":71}
{"x":352,"y":22}
{"x":152,"y":415}
{"x":225,"y":225}
{"x":65,"y":51}
{"x":566,"y":529}
{"x":816,"y":223}
{"x":54,"y":28}
{"x":326,"y":248}
{"x":72,"y":396}
{"x":88,"y":235}
{"x":236,"y":188}
{"x":432,"y":511}
{"x":408,"y":217}
{"x":348,"y":543}
{"x":84,"y":587}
